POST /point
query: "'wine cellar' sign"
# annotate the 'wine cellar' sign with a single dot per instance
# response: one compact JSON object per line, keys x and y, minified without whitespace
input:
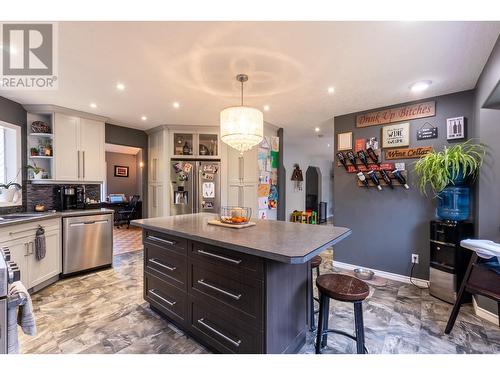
{"x":407,"y":153}
{"x":399,"y":114}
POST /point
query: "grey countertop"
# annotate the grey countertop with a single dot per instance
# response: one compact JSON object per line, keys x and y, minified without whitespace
{"x":277,"y":240}
{"x":28,"y":217}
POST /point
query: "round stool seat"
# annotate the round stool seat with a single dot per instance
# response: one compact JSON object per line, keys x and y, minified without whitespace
{"x":342,"y":287}
{"x":316,"y":261}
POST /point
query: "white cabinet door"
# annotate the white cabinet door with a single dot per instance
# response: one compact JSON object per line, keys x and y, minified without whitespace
{"x":18,"y":251}
{"x":156,"y":200}
{"x":66,"y":147}
{"x":92,"y":150}
{"x":155,"y":156}
{"x":50,"y":266}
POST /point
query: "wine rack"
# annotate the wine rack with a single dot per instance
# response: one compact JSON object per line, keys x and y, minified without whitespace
{"x":395,"y":182}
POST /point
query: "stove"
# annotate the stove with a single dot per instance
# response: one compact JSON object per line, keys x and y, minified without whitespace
{"x":9,"y":272}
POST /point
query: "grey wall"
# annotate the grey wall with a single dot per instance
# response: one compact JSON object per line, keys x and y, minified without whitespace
{"x":488,"y":130}
{"x":121,"y":135}
{"x":15,"y":114}
{"x":121,"y":185}
{"x":388,"y":226}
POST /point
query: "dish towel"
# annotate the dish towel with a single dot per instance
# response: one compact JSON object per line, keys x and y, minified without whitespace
{"x":25,"y":315}
{"x":12,"y":340}
{"x":40,"y":248}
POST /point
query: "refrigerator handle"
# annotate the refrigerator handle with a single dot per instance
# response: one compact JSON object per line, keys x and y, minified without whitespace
{"x":195,"y":178}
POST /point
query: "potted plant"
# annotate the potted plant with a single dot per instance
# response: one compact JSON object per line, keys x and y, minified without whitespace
{"x":448,"y":174}
{"x":34,"y":151}
{"x":37,"y":171}
{"x":8,"y":191}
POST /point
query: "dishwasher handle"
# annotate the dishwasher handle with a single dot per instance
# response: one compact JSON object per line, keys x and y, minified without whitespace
{"x":90,"y":222}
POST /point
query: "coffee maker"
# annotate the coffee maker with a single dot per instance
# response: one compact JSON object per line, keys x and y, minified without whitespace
{"x":71,"y":197}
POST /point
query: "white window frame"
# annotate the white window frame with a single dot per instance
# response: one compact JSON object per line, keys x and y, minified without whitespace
{"x":12,"y":169}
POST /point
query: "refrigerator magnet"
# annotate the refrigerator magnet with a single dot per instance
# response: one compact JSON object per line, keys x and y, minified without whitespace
{"x":188,"y":167}
{"x":208,"y":189}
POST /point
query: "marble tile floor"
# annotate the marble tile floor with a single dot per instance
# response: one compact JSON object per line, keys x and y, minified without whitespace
{"x":103,"y":312}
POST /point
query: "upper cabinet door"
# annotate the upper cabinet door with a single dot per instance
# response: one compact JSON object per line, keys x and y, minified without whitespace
{"x":92,"y":150}
{"x":66,"y":150}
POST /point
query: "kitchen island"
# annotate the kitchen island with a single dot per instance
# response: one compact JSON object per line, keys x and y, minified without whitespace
{"x":235,"y":290}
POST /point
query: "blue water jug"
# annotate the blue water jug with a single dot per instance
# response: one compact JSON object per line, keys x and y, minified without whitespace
{"x":454,"y":203}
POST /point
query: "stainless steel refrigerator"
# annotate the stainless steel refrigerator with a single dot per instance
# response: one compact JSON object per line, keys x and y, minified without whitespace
{"x":195,"y":186}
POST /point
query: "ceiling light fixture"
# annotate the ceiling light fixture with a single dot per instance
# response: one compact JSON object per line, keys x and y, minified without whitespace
{"x":420,"y":86}
{"x":331,"y":90}
{"x":176,"y":104}
{"x":144,"y":118}
{"x":93,"y":105}
{"x":266,"y":108}
{"x":316,"y":129}
{"x":241,"y":127}
{"x":120,"y":86}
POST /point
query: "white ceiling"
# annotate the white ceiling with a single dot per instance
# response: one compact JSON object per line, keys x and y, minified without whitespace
{"x":290,"y":64}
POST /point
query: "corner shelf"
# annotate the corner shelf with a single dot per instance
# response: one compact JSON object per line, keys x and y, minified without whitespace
{"x":45,"y":135}
{"x":40,"y":157}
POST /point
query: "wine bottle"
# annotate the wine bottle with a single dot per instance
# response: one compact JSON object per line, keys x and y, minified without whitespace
{"x":364,"y":159}
{"x":386,"y":178}
{"x":372,"y":155}
{"x":342,"y":160}
{"x":362,"y":178}
{"x":375,"y":179}
{"x":402,"y":180}
{"x":352,"y":159}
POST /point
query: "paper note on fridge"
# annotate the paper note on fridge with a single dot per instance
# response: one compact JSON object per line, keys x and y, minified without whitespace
{"x":263,"y":203}
{"x":208,"y":189}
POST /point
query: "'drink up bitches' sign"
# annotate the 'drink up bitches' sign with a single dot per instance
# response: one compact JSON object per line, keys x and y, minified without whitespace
{"x":399,"y":114}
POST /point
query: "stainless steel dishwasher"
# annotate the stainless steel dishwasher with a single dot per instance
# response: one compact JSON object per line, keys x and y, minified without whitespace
{"x":87,"y":242}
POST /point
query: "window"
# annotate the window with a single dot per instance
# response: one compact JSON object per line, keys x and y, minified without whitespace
{"x":10,"y":163}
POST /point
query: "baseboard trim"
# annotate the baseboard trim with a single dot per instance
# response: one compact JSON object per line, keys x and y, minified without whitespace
{"x":388,"y":275}
{"x":483,"y":313}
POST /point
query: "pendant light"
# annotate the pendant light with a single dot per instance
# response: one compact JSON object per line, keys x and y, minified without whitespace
{"x":241,"y":127}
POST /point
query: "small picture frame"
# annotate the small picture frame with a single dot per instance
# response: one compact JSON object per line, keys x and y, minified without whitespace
{"x":344,"y":141}
{"x":455,"y":128}
{"x":397,"y":135}
{"x":121,"y":171}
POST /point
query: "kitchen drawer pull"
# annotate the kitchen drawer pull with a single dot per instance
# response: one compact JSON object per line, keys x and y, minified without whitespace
{"x":210,"y":328}
{"x":170,"y":303}
{"x":443,"y":243}
{"x":154,"y":238}
{"x":234,"y":261}
{"x":153,"y":260}
{"x":234,"y":296}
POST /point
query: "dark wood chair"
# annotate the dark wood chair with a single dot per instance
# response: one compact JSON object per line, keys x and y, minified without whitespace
{"x":128,"y":213}
{"x":480,"y":278}
{"x":315,"y":263}
{"x":341,"y":288}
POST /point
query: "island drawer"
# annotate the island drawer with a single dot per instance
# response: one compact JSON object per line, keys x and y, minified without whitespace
{"x":168,"y":242}
{"x":237,"y":291}
{"x":222,"y":331}
{"x":166,"y":264}
{"x":229,"y":259}
{"x":165,"y":297}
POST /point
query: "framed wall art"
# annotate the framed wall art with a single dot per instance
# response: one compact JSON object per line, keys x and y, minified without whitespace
{"x":344,"y":141}
{"x":121,"y":171}
{"x":455,"y":128}
{"x":397,"y":135}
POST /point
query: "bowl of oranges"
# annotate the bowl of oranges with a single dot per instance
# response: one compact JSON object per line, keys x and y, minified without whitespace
{"x":235,"y":215}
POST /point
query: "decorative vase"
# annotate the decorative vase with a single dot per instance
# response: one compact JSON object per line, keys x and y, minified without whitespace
{"x":7,"y":195}
{"x":38,"y":176}
{"x":454,"y":203}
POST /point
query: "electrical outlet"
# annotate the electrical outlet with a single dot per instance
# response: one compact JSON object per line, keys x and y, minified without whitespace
{"x":414,"y":258}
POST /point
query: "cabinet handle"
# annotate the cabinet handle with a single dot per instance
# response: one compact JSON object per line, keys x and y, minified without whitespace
{"x":213,"y":287}
{"x":26,"y":251}
{"x":154,"y":238}
{"x":78,"y":153}
{"x":443,"y":243}
{"x":170,"y":303}
{"x":32,"y":244}
{"x":83,"y":154}
{"x":212,"y":329}
{"x":207,"y":253}
{"x":153,"y":260}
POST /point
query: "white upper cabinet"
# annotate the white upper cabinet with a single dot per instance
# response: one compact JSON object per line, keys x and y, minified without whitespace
{"x":66,"y":150}
{"x":92,"y":150}
{"x":79,"y":149}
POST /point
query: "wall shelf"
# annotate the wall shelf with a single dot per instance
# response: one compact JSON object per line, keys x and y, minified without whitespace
{"x":45,"y":135}
{"x":40,"y":157}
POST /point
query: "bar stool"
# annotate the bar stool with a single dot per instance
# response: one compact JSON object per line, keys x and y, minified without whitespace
{"x":341,"y":288}
{"x":315,"y":263}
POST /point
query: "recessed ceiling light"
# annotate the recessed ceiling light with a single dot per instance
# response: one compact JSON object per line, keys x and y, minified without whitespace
{"x":120,"y":86}
{"x":266,"y":108}
{"x":93,"y":105}
{"x":331,"y":90}
{"x":144,"y":118}
{"x":317,"y":129}
{"x":328,"y":145}
{"x":176,"y":104}
{"x":420,"y":86}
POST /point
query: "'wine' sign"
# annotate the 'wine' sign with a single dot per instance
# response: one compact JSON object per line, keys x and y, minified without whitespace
{"x":407,"y":153}
{"x":399,"y":114}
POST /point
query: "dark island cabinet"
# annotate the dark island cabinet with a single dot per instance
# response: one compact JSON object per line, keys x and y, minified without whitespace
{"x":230,"y":301}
